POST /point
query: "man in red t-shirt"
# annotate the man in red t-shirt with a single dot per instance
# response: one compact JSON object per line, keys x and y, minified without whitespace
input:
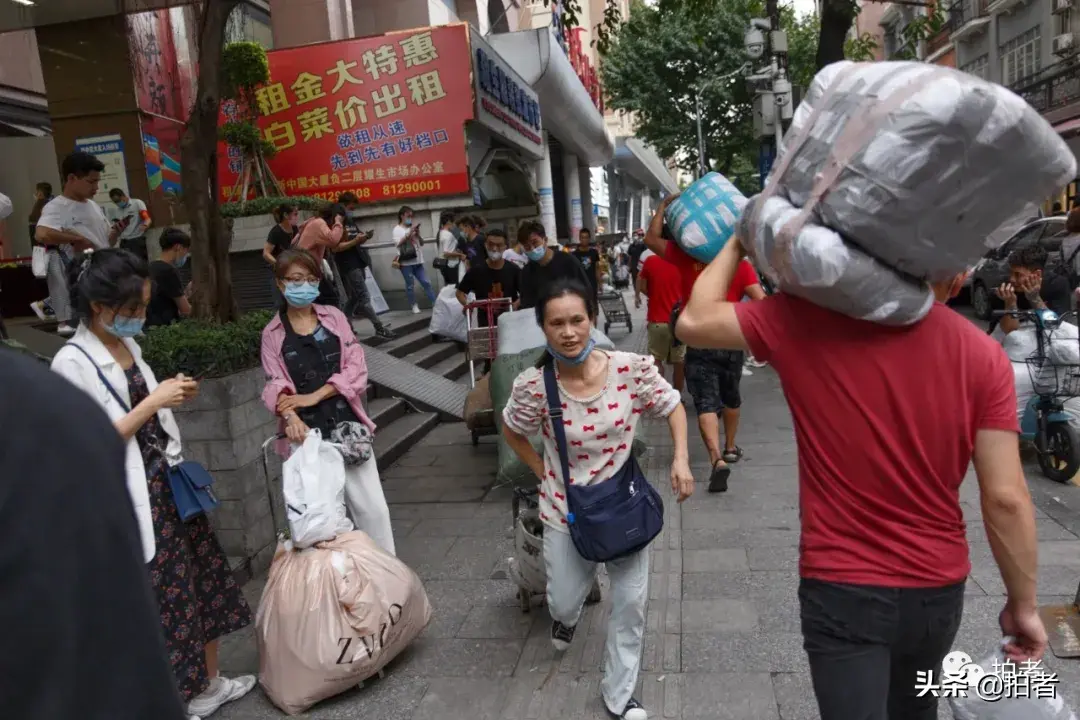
{"x":659,"y":281}
{"x":712,"y":376}
{"x":883,"y":554}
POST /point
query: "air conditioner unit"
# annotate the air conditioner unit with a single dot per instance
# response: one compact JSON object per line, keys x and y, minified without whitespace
{"x":1060,"y":6}
{"x":1063,"y":43}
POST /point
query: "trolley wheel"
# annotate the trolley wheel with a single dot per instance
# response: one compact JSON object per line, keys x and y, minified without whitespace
{"x":515,"y":506}
{"x":607,"y":327}
{"x":525,"y":599}
{"x":1061,"y":460}
{"x":475,"y":438}
{"x":594,"y":595}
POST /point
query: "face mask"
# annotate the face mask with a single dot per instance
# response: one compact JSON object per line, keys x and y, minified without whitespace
{"x":495,"y":255}
{"x":536,"y":254}
{"x":301,"y":294}
{"x":122,"y":205}
{"x":408,"y":222}
{"x":577,"y":359}
{"x":181,"y":262}
{"x":125,"y":327}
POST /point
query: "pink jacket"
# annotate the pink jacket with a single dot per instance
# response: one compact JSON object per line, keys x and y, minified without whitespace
{"x":315,"y":236}
{"x":351,"y":381}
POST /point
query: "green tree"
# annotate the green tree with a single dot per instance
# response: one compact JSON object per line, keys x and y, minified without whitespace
{"x":663,"y":52}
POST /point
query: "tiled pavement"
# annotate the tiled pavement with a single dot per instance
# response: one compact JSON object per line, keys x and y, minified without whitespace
{"x":722,"y":639}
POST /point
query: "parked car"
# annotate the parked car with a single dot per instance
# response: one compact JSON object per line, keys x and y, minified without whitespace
{"x":993,"y":269}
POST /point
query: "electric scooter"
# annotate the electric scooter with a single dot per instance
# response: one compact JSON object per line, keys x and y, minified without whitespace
{"x":1045,"y":423}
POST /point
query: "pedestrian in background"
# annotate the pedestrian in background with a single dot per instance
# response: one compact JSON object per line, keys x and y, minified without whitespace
{"x":546,"y":264}
{"x":133,"y":219}
{"x":883,"y":554}
{"x":280,"y":238}
{"x":589,"y":258}
{"x":448,"y":249}
{"x":198,"y":600}
{"x":169,"y":300}
{"x":43,"y":193}
{"x":603,"y":396}
{"x":353,"y":262}
{"x":659,"y":281}
{"x":410,"y":257}
{"x":69,"y":224}
{"x":316,"y":235}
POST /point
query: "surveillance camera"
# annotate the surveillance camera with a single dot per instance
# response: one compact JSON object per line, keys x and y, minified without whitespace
{"x":754,"y":43}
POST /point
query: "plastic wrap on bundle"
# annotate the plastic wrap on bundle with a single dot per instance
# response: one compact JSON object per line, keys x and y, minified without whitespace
{"x":703,"y":217}
{"x":946,"y":166}
{"x":820,"y":267}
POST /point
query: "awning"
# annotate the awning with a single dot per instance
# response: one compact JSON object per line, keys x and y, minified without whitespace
{"x":642,"y":162}
{"x":567,"y":110}
{"x":10,"y":128}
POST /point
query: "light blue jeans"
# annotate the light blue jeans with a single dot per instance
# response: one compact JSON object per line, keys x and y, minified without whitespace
{"x":416,"y":273}
{"x":569,"y":579}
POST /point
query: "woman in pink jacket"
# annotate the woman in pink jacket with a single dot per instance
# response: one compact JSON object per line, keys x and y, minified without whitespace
{"x":316,"y":379}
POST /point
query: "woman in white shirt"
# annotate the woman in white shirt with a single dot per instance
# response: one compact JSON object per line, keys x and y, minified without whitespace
{"x":410,"y":257}
{"x":448,"y":249}
{"x":198,"y":598}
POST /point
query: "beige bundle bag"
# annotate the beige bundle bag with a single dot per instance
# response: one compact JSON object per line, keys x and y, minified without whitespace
{"x":332,"y":616}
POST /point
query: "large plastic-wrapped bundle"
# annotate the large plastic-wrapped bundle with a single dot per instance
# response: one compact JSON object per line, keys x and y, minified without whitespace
{"x":703,"y":217}
{"x":918,"y":164}
{"x":820,"y":267}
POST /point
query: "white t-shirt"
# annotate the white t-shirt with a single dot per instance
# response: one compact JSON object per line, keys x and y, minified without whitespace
{"x":84,"y":218}
{"x":448,"y":243}
{"x":5,"y":206}
{"x":134,"y":212}
{"x":400,"y":232}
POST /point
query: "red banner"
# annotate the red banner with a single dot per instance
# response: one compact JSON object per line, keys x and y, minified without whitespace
{"x":383,"y":117}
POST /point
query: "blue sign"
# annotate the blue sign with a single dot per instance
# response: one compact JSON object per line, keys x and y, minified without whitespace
{"x":505,"y":90}
{"x":766,"y":157}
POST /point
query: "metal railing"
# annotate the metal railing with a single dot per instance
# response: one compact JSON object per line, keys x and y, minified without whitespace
{"x":964,"y":11}
{"x":1053,"y":87}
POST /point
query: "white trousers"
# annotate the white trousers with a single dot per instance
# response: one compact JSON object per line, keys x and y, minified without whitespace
{"x":569,"y":579}
{"x":56,"y":280}
{"x":366,"y":503}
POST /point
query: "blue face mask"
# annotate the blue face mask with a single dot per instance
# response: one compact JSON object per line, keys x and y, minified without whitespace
{"x":301,"y":294}
{"x":577,"y":359}
{"x":408,"y":222}
{"x":125,"y":327}
{"x":181,"y":262}
{"x":536,"y":254}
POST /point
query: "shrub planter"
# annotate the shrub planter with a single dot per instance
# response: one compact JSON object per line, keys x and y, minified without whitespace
{"x":224,"y":428}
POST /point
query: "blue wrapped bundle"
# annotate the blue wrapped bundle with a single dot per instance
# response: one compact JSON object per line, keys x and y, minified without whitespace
{"x":703,"y":217}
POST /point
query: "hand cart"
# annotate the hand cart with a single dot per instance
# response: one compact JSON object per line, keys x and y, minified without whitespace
{"x":527,"y":568}
{"x":482,"y":343}
{"x":614,"y":307}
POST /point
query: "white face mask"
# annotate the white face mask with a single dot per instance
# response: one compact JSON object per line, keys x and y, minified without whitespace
{"x":495,"y":255}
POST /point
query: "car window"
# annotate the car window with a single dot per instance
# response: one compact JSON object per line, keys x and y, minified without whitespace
{"x":1021,"y":240}
{"x":1052,"y":240}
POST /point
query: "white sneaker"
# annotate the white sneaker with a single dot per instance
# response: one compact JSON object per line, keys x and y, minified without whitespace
{"x":65,"y":330}
{"x":415,"y":309}
{"x":39,"y":309}
{"x":222,"y":690}
{"x":746,"y":371}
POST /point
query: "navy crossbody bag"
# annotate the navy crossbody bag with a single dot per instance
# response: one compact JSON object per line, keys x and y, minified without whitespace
{"x":609,"y":519}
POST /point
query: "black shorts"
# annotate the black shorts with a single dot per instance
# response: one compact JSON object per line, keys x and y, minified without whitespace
{"x":713,"y":377}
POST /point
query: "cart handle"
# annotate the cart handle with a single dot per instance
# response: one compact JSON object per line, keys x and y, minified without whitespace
{"x":485,"y":303}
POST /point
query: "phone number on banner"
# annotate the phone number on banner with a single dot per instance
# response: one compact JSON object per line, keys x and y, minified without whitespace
{"x":388,"y":190}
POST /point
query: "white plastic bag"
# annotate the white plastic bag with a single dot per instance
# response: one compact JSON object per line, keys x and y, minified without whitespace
{"x":313,"y":481}
{"x":985,"y":699}
{"x":447,"y":318}
{"x":39,"y":261}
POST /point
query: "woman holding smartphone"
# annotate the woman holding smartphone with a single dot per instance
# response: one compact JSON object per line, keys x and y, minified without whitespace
{"x":410,"y":257}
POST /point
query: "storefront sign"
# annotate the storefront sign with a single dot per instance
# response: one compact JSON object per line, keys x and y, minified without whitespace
{"x":505,"y":104}
{"x":383,"y":117}
{"x":578,"y":52}
{"x":109,"y":149}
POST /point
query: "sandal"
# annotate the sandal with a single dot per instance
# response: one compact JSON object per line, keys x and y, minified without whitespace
{"x":732,"y":455}
{"x":719,"y":477}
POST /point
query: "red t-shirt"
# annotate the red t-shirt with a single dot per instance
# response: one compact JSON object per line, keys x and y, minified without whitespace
{"x":689,"y":269}
{"x":663,"y":287}
{"x":885,"y":421}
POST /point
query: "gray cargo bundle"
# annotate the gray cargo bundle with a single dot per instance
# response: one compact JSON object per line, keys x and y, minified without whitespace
{"x":914,"y":165}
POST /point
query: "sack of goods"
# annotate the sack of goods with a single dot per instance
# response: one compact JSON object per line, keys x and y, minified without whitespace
{"x":333,"y":616}
{"x":313,"y":481}
{"x":447,"y":318}
{"x":894,"y":175}
{"x":703,"y":217}
{"x":996,"y":689}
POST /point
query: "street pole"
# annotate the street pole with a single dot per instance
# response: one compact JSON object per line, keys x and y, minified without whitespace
{"x":700,"y":135}
{"x":779,"y":62}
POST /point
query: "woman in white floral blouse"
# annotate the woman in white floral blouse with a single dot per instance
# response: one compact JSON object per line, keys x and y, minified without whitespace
{"x":604,"y":396}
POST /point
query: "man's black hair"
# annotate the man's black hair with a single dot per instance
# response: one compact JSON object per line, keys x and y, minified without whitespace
{"x":348,"y":198}
{"x":80,"y":165}
{"x":45,"y":188}
{"x":1032,"y":257}
{"x":112,"y":277}
{"x":497,"y":232}
{"x":171,"y":237}
{"x":116,"y":193}
{"x":401,"y":213}
{"x":446,"y":216}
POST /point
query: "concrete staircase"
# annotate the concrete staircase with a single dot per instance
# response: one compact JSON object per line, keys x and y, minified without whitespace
{"x":404,"y":418}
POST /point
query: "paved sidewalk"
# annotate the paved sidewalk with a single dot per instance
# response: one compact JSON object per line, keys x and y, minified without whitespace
{"x":722,"y":639}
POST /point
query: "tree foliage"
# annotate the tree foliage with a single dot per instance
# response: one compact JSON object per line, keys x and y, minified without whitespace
{"x":663,"y":52}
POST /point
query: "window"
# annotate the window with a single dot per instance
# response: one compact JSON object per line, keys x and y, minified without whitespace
{"x":1063,"y":22}
{"x":979,"y":67}
{"x":1021,"y":57}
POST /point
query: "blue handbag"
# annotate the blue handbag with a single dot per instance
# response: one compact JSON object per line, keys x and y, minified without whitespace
{"x":609,"y":519}
{"x":189,"y":481}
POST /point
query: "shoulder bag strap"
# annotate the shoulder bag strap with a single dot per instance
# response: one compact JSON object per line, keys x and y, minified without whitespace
{"x":555,"y":413}
{"x":101,"y":375}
